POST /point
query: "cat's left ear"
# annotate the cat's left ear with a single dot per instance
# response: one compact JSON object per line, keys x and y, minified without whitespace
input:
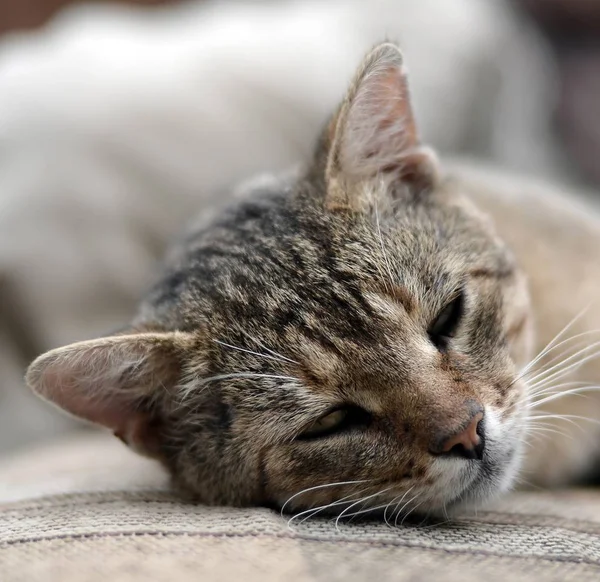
{"x":374,"y":137}
{"x":120,"y":382}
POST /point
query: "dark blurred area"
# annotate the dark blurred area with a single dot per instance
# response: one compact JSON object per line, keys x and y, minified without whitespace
{"x":573,"y":29}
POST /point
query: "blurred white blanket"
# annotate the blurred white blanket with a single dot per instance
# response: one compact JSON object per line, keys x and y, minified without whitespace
{"x":117,"y":126}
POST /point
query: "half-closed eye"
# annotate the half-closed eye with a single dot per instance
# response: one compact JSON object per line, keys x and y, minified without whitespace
{"x":336,"y":421}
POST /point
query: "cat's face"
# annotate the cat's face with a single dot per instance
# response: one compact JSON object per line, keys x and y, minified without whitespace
{"x":351,"y":337}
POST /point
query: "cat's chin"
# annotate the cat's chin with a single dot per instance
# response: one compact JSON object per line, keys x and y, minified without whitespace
{"x":490,"y":480}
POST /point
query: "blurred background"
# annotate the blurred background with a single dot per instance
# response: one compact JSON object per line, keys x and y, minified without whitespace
{"x":121,"y":120}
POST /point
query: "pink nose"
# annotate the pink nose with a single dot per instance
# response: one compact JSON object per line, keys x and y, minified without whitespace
{"x":468,"y":438}
{"x":468,"y":443}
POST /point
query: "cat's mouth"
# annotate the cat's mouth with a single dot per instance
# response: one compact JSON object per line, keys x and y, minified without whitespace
{"x":459,"y":487}
{"x":479,"y":483}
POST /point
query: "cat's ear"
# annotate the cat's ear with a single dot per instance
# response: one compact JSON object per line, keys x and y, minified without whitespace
{"x":374,"y":138}
{"x":117,"y":382}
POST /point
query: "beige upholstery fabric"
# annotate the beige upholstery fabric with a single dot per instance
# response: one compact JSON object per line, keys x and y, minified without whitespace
{"x":90,"y":510}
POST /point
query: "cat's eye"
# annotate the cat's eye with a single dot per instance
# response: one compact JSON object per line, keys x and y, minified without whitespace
{"x":446,"y":323}
{"x":335,"y":421}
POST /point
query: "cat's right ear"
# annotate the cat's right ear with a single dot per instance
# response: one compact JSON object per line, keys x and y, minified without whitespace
{"x":373,"y":138}
{"x":119,"y":382}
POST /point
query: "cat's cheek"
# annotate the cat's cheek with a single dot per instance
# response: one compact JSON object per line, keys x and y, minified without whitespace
{"x":290,"y":478}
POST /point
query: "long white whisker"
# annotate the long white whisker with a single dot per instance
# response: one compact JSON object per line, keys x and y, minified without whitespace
{"x":404,"y":506}
{"x":367,"y":510}
{"x":569,"y":418}
{"x":409,"y":512}
{"x":552,"y":342}
{"x":533,"y":397}
{"x":247,"y":351}
{"x":402,"y":497}
{"x":278,"y":355}
{"x":563,"y":416}
{"x":538,"y":431}
{"x":578,"y":391}
{"x":364,"y":499}
{"x":317,"y":487}
{"x":546,"y":390}
{"x":547,"y":383}
{"x":535,"y":380}
{"x":314,"y":510}
{"x":567,"y":350}
{"x":267,"y":349}
{"x":191,"y":386}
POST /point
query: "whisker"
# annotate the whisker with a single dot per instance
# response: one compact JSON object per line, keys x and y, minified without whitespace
{"x":555,"y":388}
{"x":550,"y":346}
{"x":574,"y":391}
{"x":402,"y":497}
{"x":247,"y":351}
{"x":531,"y":399}
{"x":542,"y":422}
{"x":567,"y":417}
{"x":364,"y":499}
{"x":561,"y":372}
{"x":367,"y":510}
{"x":278,"y":355}
{"x":567,"y":350}
{"x":377,"y":507}
{"x":404,"y":507}
{"x":552,"y":343}
{"x":317,"y":487}
{"x":188,"y":386}
{"x":413,"y":509}
{"x":399,"y":509}
{"x":271,"y":351}
{"x":315,"y":510}
{"x":548,"y":431}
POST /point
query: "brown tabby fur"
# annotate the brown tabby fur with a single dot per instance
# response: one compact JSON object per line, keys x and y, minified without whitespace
{"x":317,"y":292}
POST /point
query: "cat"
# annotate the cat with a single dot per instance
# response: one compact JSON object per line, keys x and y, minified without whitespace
{"x":358,"y":334}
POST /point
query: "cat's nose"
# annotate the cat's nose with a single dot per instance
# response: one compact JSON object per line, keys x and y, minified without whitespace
{"x":467,"y":443}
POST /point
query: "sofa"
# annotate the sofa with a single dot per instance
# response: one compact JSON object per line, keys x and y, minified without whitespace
{"x":87,"y":509}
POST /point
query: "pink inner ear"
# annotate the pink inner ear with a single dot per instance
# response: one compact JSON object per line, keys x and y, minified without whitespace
{"x":395,"y":103}
{"x":380,"y":129}
{"x":104,"y":406}
{"x":92,"y":401}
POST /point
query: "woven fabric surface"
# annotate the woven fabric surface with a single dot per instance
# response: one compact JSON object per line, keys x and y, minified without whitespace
{"x":88,"y":509}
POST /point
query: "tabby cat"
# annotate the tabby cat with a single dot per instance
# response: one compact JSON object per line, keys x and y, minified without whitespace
{"x":360,"y":334}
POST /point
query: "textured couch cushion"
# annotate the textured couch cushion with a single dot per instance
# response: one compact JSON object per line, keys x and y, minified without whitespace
{"x":90,"y":510}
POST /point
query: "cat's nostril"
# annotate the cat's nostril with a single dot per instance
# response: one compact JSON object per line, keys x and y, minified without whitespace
{"x":460,"y":451}
{"x":468,"y":443}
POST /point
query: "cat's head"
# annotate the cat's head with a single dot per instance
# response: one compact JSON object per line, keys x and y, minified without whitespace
{"x":353,"y":336}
